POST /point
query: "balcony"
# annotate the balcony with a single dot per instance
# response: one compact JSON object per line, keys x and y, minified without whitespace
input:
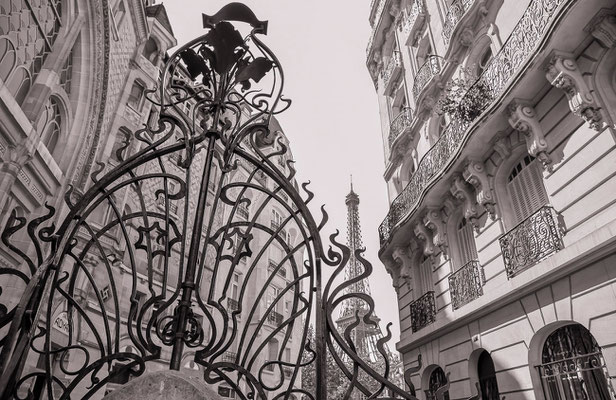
{"x":423,"y":311}
{"x":431,"y":67}
{"x":233,"y":305}
{"x":466,"y":284}
{"x":288,"y":371}
{"x":399,"y":125}
{"x":413,"y":21}
{"x":274,"y":318}
{"x":242,"y":211}
{"x":391,"y":72}
{"x":273,"y":265}
{"x":229,"y":356}
{"x":456,"y":11}
{"x":531,"y":241}
{"x":516,"y":52}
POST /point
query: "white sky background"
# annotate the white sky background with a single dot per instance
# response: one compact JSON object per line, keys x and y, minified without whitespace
{"x":333,"y":122}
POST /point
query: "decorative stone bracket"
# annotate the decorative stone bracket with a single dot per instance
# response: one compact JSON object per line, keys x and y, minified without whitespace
{"x":464,"y":193}
{"x":563,"y":73}
{"x":523,"y":118}
{"x":424,"y":235}
{"x":402,"y":256}
{"x":475,"y":174}
{"x":436,"y":222}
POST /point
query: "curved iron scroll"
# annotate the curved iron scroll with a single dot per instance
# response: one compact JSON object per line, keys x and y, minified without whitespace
{"x":193,"y":249}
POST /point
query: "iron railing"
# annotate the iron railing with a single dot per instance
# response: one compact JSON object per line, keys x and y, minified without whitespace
{"x":418,"y":8}
{"x":229,"y":356}
{"x":520,"y":45}
{"x":394,"y":63}
{"x":431,"y":67}
{"x":375,"y":24}
{"x":232,"y":304}
{"x":423,"y":311}
{"x":401,"y":123}
{"x":466,"y":284}
{"x":531,"y":241}
{"x":275,"y":318}
{"x":455,"y":13}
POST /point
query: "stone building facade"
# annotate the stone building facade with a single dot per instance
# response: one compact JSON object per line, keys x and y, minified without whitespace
{"x":74,"y":77}
{"x":497,"y":120}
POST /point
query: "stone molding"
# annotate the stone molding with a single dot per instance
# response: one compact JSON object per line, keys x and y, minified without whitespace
{"x":425,"y":236}
{"x":475,"y":173}
{"x":523,"y":118}
{"x":463,"y":192}
{"x":563,"y":73}
{"x":436,"y":221}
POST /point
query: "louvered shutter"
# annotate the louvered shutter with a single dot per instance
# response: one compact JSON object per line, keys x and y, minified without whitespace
{"x":425,"y":276}
{"x":526,"y":190}
{"x":466,"y":243}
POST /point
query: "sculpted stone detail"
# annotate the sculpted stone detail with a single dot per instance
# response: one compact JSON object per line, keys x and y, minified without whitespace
{"x":424,"y":235}
{"x":562,"y":72}
{"x":466,"y":37}
{"x":464,"y":193}
{"x":523,"y":118}
{"x":603,"y":28}
{"x":502,"y":147}
{"x":475,"y":174}
{"x":402,"y":256}
{"x":435,"y":221}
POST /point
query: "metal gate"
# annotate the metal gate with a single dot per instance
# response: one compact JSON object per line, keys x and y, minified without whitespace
{"x":193,"y":249}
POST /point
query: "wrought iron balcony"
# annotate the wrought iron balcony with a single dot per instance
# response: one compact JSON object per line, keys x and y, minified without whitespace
{"x":272,"y":266}
{"x":288,"y":372}
{"x":413,"y":20}
{"x":455,"y":13}
{"x":401,"y":123}
{"x":242,"y":211}
{"x":233,"y":305}
{"x":274,"y":318}
{"x":229,"y":356}
{"x":516,"y":52}
{"x":531,"y":241}
{"x":431,"y":67}
{"x":392,"y":71}
{"x":466,"y":284}
{"x":423,"y":311}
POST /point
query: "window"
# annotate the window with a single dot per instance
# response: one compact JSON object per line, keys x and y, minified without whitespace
{"x":424,"y":280}
{"x":118,"y":12}
{"x":484,"y":61}
{"x":525,"y":189}
{"x":272,"y":352}
{"x":272,"y":293}
{"x":467,"y":250}
{"x":276,"y":219}
{"x":105,"y":293}
{"x":135,"y":98}
{"x":150,"y":51}
{"x":227,"y":392}
{"x":437,"y":380}
{"x":235,"y":286}
{"x":487,"y":377}
{"x":51,"y":122}
{"x":573,"y":366}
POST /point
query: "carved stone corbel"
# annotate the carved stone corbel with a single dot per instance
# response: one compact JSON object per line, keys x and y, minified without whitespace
{"x":467,"y":37}
{"x":523,"y":118}
{"x":502,"y":146}
{"x":603,"y":28}
{"x":475,"y":174}
{"x":563,"y":73}
{"x":464,"y":193}
{"x":402,"y":256}
{"x":424,"y":235}
{"x":436,"y":222}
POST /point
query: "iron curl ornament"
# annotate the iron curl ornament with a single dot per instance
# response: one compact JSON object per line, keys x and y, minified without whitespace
{"x":193,"y":249}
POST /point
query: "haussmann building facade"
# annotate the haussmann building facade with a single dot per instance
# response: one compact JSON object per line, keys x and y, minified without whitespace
{"x":497,"y":120}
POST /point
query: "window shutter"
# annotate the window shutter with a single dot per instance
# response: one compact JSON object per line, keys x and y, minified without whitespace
{"x":425,"y":277}
{"x":526,"y":189}
{"x":466,"y":243}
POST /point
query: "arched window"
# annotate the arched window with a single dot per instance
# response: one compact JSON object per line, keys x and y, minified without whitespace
{"x":573,"y":367}
{"x":50,"y":126}
{"x":437,"y":380}
{"x":487,"y":377}
{"x":150,"y":51}
{"x":466,"y":247}
{"x":525,"y":188}
{"x":483,"y":61}
{"x":136,"y":97}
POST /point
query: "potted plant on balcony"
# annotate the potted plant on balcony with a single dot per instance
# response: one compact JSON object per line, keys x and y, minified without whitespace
{"x":464,"y":98}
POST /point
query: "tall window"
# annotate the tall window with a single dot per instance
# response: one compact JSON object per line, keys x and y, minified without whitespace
{"x":573,"y":366}
{"x":526,"y":190}
{"x":467,"y":250}
{"x":487,"y":377}
{"x":484,"y":60}
{"x":437,"y":380}
{"x":425,"y":283}
{"x":51,"y":125}
{"x":135,"y":98}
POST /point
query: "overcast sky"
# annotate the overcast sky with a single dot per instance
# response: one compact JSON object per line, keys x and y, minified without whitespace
{"x":333,"y":123}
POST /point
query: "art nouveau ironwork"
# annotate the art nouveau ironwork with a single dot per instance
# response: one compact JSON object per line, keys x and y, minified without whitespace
{"x":164,"y":260}
{"x":531,"y":241}
{"x":456,"y":11}
{"x":423,"y":311}
{"x":431,"y":67}
{"x":522,"y":43}
{"x":466,"y":284}
{"x":401,"y":123}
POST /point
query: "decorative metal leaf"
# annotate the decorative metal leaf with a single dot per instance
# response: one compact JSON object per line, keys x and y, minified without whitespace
{"x":254,"y":70}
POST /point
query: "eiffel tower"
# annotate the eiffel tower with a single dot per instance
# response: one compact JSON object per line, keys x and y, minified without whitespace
{"x":364,"y":336}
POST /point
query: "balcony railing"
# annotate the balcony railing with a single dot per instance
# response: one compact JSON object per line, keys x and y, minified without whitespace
{"x":423,"y":311}
{"x":466,"y":284}
{"x":392,"y":70}
{"x":531,"y":241}
{"x":413,"y":19}
{"x":288,"y":371}
{"x":229,"y":356}
{"x":272,"y":266}
{"x":519,"y":47}
{"x":401,"y":123}
{"x":242,"y":211}
{"x":274,"y":318}
{"x":455,"y":13}
{"x":233,"y":305}
{"x":430,"y":68}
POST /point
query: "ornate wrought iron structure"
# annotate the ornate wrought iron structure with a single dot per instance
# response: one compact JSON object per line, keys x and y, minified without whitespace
{"x":181,"y":241}
{"x":431,"y":67}
{"x":531,"y":241}
{"x":423,"y":311}
{"x":524,"y":41}
{"x":466,"y":284}
{"x":401,"y":123}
